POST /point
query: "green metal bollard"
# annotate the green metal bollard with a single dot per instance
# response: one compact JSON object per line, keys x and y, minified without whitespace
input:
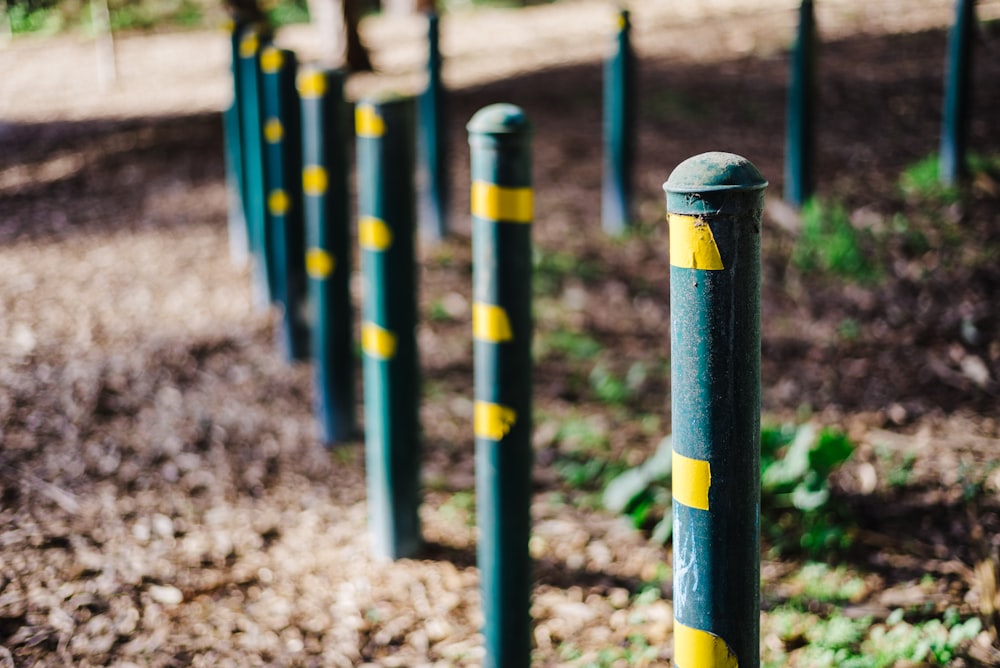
{"x":957,"y":95}
{"x":253,"y":161}
{"x":386,"y":230}
{"x":502,"y":213}
{"x":432,"y":143}
{"x":239,"y":250}
{"x":619,"y":131}
{"x":800,"y":122}
{"x":328,"y":254}
{"x":714,"y":205}
{"x":285,"y":230}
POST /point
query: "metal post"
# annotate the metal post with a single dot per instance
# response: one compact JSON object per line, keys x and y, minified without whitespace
{"x":619,"y":131}
{"x":957,"y":94}
{"x":800,"y":122}
{"x":239,"y":250}
{"x":253,"y":161}
{"x":714,"y":205}
{"x":285,"y":230}
{"x":386,"y":230}
{"x":502,"y":212}
{"x":328,"y":254}
{"x":432,"y":143}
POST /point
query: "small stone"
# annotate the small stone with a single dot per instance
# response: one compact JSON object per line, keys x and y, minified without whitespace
{"x":166,"y":594}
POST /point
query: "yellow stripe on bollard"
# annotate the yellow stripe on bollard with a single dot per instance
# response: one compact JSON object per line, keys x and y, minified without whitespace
{"x":367,"y":122}
{"x":493,"y":202}
{"x":377,"y":342}
{"x":374,"y":234}
{"x":273,"y":131}
{"x":490,"y":323}
{"x":311,"y":84}
{"x":691,"y":480}
{"x":271,"y":60}
{"x":314,"y":180}
{"x":692,"y":244}
{"x":694,"y":648}
{"x":319,"y":263}
{"x":278,"y":203}
{"x":493,"y":421}
{"x":249,"y":45}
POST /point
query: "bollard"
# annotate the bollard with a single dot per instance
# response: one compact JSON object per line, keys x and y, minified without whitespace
{"x":432,"y":142}
{"x":328,"y":254}
{"x":714,"y":205}
{"x":253,"y":161}
{"x":239,"y":250}
{"x":386,"y":229}
{"x":502,"y":212}
{"x":800,"y":122}
{"x":957,"y":95}
{"x":619,"y":131}
{"x":284,"y":236}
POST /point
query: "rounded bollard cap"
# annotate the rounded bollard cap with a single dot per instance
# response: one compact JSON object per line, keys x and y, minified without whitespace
{"x":497,"y":119}
{"x":714,"y":183}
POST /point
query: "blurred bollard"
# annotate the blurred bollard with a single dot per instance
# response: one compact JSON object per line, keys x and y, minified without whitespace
{"x":328,"y":254}
{"x":502,"y":213}
{"x":386,"y":230}
{"x":284,"y":235}
{"x":239,"y":250}
{"x":253,"y":161}
{"x":619,"y":131}
{"x":957,"y":95}
{"x":433,"y":143}
{"x":800,"y":121}
{"x":714,"y":205}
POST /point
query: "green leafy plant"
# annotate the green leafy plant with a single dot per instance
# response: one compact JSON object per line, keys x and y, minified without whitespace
{"x":829,"y":243}
{"x":796,"y":463}
{"x":839,"y":641}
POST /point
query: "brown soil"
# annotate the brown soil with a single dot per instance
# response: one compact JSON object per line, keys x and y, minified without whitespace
{"x":164,"y":500}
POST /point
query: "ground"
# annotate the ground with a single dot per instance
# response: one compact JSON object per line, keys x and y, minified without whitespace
{"x":165,"y":500}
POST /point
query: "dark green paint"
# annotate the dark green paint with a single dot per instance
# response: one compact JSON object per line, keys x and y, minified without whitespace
{"x":957,"y":94}
{"x":619,"y":131}
{"x":391,"y":387}
{"x":285,"y":232}
{"x":433,"y":142}
{"x":800,"y":122}
{"x":324,"y":144}
{"x":254,"y":196}
{"x":239,"y":250}
{"x":715,"y":401}
{"x":500,"y":140}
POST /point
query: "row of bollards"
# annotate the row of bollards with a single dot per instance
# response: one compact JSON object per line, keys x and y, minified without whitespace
{"x":287,"y":163}
{"x":800,"y":124}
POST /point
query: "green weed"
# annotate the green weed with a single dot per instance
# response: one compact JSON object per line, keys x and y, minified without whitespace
{"x":922,"y":180}
{"x":830,"y":244}
{"x":839,"y":641}
{"x":551,"y":268}
{"x":460,"y":507}
{"x":569,"y":343}
{"x":607,"y":387}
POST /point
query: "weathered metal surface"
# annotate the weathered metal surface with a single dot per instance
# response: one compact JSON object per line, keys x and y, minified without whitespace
{"x":714,"y":205}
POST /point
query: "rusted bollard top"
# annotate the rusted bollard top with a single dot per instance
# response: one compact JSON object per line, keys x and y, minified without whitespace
{"x":715,"y":183}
